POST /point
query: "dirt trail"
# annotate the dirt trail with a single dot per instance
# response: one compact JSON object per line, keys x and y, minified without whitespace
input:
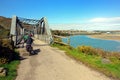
{"x":52,"y":64}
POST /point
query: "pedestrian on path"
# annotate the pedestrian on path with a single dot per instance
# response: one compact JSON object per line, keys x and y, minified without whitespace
{"x":29,"y":42}
{"x":25,"y":37}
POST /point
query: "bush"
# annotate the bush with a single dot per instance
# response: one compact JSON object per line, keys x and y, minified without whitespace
{"x":6,"y":43}
{"x":101,"y":53}
{"x":87,"y":50}
{"x":69,"y":47}
{"x":114,"y":55}
{"x":6,"y":52}
{"x":98,"y":52}
{"x":3,"y":60}
{"x":57,"y":39}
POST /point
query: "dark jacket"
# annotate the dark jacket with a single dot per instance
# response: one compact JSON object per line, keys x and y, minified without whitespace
{"x":29,"y":41}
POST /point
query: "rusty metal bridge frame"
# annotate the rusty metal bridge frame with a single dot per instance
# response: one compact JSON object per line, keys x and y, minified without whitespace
{"x":40,"y":29}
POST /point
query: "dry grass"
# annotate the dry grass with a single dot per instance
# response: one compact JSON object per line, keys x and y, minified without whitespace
{"x":98,"y":52}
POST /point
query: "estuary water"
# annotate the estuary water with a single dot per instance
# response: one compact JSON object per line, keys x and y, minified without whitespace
{"x":79,"y":40}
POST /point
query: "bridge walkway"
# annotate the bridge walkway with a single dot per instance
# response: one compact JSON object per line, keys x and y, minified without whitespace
{"x":52,"y":64}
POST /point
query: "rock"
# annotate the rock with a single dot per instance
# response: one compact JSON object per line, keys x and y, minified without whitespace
{"x":3,"y":72}
{"x":1,"y":69}
{"x":105,"y":61}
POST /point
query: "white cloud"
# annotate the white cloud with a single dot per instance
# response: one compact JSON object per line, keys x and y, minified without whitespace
{"x":93,"y":24}
{"x":65,"y":26}
{"x":105,"y":20}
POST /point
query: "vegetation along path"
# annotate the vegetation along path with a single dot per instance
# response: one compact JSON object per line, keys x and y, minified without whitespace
{"x":52,"y":64}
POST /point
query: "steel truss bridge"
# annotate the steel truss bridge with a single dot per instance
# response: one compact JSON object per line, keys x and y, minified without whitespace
{"x":39,"y":28}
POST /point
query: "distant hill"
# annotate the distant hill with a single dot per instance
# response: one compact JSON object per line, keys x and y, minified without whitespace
{"x":5,"y":23}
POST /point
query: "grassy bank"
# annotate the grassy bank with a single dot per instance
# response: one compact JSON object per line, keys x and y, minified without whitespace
{"x":94,"y":60}
{"x":11,"y":69}
{"x":9,"y":59}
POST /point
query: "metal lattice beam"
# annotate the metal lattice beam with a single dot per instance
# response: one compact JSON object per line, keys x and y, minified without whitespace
{"x":40,"y":28}
{"x":28,"y":21}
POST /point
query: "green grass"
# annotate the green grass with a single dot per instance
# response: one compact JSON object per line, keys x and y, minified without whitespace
{"x":12,"y":70}
{"x":111,"y":69}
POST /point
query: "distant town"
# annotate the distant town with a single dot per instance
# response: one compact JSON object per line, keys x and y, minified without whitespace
{"x":82,"y":32}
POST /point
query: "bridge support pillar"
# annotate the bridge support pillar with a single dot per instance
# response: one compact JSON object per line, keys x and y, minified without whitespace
{"x":13,"y":29}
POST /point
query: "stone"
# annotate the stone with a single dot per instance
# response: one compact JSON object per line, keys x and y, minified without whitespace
{"x":3,"y":72}
{"x":1,"y":69}
{"x":105,"y":61}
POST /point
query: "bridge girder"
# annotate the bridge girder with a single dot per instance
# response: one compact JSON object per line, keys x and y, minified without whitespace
{"x":40,"y":29}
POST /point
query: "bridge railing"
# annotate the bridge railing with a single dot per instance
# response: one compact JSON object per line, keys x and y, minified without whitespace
{"x":46,"y":38}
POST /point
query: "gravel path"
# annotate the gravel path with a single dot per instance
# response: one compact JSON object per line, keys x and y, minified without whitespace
{"x":52,"y":64}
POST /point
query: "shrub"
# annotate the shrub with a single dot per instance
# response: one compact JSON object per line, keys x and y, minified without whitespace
{"x":114,"y":54}
{"x":87,"y":50}
{"x":70,"y":48}
{"x":6,"y":43}
{"x":57,"y":39}
{"x":3,"y":60}
{"x":99,"y":52}
{"x":6,"y":52}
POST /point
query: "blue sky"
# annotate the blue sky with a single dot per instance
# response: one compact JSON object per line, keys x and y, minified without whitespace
{"x":67,"y":14}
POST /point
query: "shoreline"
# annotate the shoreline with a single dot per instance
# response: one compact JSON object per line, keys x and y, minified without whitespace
{"x":115,"y":37}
